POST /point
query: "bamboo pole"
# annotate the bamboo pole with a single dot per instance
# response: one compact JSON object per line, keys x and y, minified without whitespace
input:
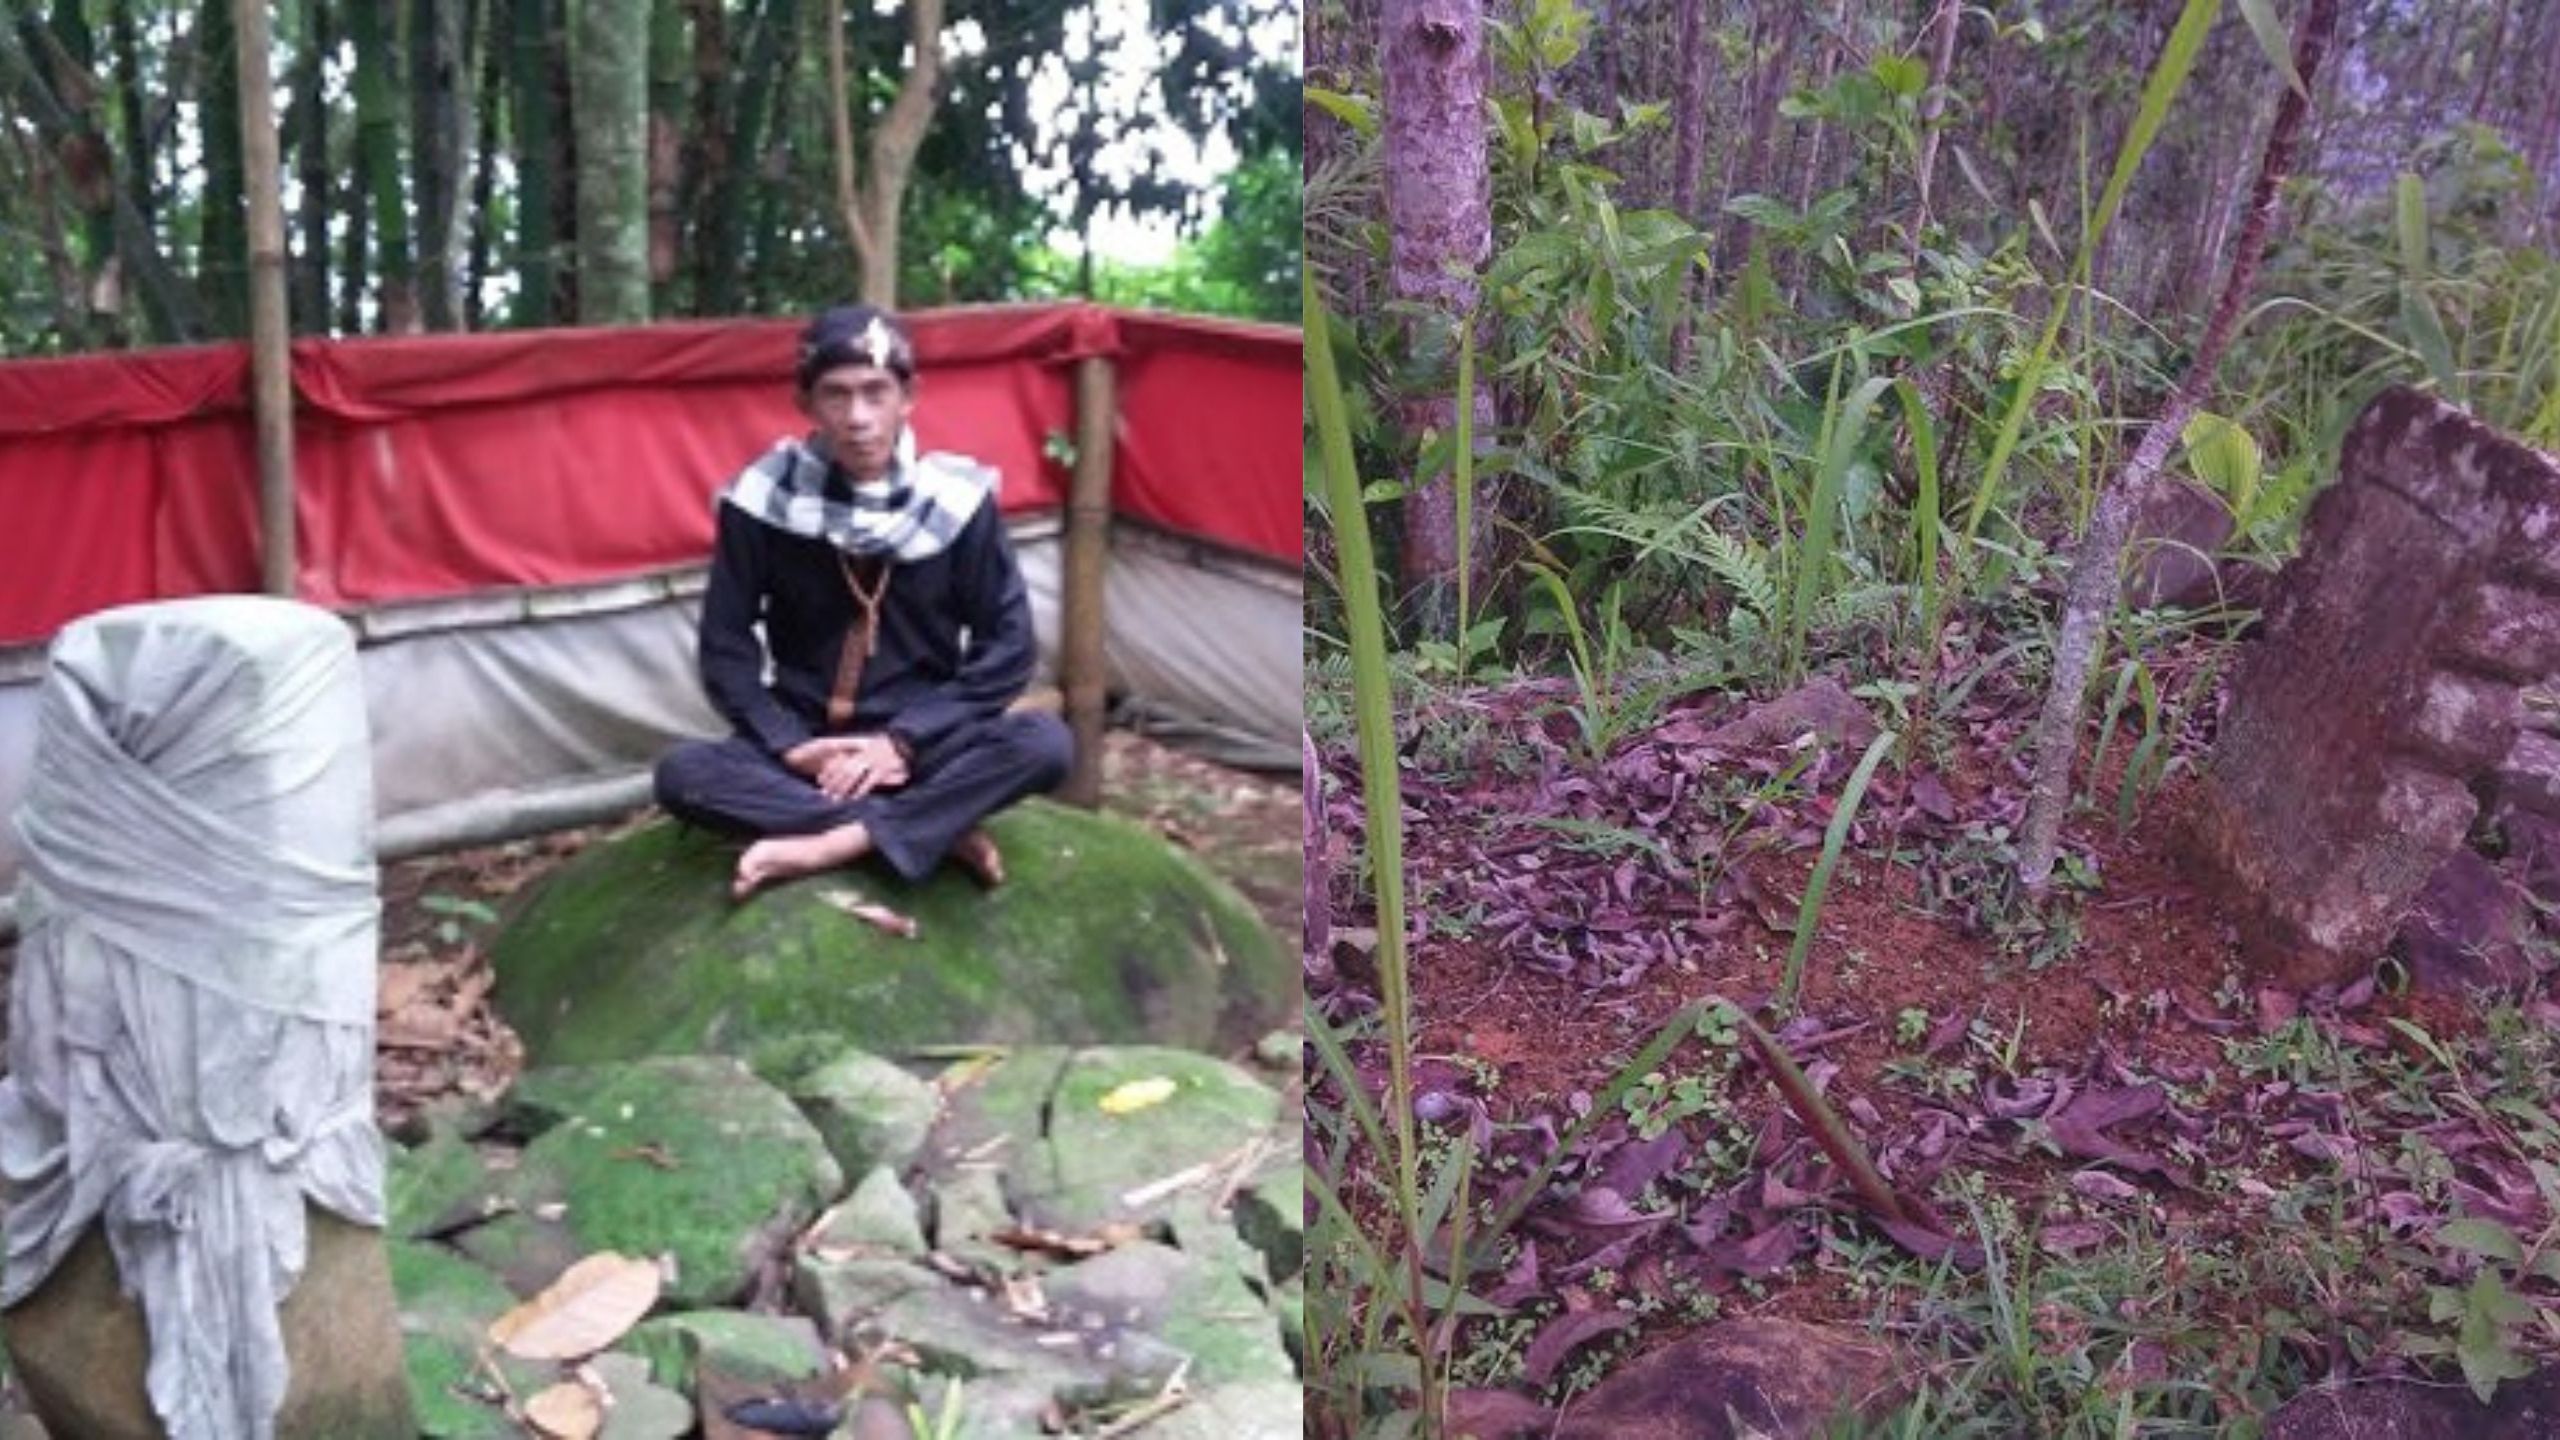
{"x":1088,"y":543}
{"x":272,"y":384}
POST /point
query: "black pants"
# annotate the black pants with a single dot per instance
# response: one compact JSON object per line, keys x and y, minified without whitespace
{"x":732,"y":785}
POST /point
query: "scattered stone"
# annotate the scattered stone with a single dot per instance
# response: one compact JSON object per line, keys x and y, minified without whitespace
{"x":2529,"y":778}
{"x":691,"y":1157}
{"x":437,"y":1186}
{"x":963,"y":1333}
{"x":1075,"y":1166}
{"x":1254,"y":1410}
{"x":879,"y":1216}
{"x":2384,"y":683}
{"x":641,"y":1409}
{"x":78,"y":1345}
{"x":1757,"y":1377}
{"x":1204,"y":1308}
{"x":1819,"y":707}
{"x":969,"y":1208}
{"x":2464,"y":933}
{"x":1271,"y":1216}
{"x":844,"y":1293}
{"x":2526,"y":1409}
{"x":1103,"y":933}
{"x":870,"y":1110}
{"x":778,"y":1349}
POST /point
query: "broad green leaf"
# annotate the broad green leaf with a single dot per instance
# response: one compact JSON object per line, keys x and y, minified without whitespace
{"x":2225,"y":458}
{"x":1901,"y":74}
{"x":2486,"y":1239}
{"x":1357,"y":111}
{"x":2486,"y":1355}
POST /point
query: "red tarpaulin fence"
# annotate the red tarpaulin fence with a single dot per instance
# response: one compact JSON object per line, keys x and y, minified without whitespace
{"x":446,"y":464}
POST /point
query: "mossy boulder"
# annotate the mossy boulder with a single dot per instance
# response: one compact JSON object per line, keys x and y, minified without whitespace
{"x":1105,"y":933}
{"x":688,"y":1156}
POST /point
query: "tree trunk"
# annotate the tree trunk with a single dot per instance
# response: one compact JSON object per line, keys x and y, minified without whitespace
{"x":486,"y":99}
{"x":2096,"y":566}
{"x":126,"y":41}
{"x":308,"y":120}
{"x":439,"y":72}
{"x":706,"y":159}
{"x":78,"y":47}
{"x":371,"y":27}
{"x":28,"y":172}
{"x":611,"y":84}
{"x":534,"y":105}
{"x":222,"y":261}
{"x":667,"y":62}
{"x":720,"y":261}
{"x":355,"y":269}
{"x":871,"y":208}
{"x":1439,"y":197}
{"x":1747,"y":170}
{"x":63,"y":110}
{"x":253,"y":121}
{"x":1689,"y":137}
{"x":1933,"y":107}
{"x":768,"y":239}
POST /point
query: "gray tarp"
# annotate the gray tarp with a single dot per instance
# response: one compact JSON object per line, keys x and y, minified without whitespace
{"x":191,"y":1053}
{"x":507,"y":704}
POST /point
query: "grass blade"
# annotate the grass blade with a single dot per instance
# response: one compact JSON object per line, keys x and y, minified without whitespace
{"x":2177,"y":61}
{"x":1833,"y":839}
{"x":1365,"y":621}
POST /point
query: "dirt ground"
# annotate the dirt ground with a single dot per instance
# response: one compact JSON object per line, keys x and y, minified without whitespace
{"x":2086,"y":1058}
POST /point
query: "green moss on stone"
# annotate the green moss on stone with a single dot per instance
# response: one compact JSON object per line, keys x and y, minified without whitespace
{"x":434,"y":1185}
{"x":757,"y":1349}
{"x":446,"y":1306}
{"x":1104,"y":933}
{"x":691,"y":1155}
{"x":1071,"y":1162}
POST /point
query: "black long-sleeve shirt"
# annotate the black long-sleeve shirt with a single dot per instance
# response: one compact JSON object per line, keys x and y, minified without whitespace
{"x":955,"y":641}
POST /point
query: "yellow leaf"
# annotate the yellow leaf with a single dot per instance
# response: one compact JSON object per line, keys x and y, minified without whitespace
{"x":584,"y":1311}
{"x":566,"y":1411}
{"x":1138,"y":1095}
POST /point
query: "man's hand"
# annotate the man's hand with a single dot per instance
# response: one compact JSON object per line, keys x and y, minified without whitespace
{"x":848,"y":767}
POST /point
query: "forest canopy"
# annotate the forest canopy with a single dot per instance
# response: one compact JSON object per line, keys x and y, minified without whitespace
{"x":469,"y":164}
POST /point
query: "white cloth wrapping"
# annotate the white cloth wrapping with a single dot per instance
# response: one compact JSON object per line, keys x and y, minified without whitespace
{"x":191,"y":1035}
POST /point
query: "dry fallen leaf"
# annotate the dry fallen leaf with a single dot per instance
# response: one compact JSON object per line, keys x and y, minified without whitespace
{"x":903,"y":926}
{"x":1138,"y":1095}
{"x":585,"y":1310}
{"x":566,"y":1411}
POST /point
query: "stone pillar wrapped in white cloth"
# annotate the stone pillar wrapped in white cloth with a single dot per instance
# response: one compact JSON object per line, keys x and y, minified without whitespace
{"x":191,"y":1018}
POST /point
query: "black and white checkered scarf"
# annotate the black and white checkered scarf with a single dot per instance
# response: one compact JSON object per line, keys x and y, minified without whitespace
{"x":910,"y":514}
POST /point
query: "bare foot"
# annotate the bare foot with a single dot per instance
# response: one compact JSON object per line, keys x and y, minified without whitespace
{"x":788,"y":857}
{"x":976,"y":853}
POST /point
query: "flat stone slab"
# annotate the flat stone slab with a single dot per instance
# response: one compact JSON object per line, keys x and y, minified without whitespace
{"x":2384,"y":685}
{"x":1104,"y":933}
{"x":1080,"y":1153}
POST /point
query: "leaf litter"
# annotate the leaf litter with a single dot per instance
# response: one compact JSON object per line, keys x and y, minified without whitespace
{"x":2094,"y":1078}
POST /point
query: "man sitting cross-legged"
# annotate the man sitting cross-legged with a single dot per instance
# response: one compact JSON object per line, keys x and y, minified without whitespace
{"x":896,"y":627}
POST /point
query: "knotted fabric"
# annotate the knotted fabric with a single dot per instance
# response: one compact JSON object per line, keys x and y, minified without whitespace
{"x":191,"y":1033}
{"x":910,"y":514}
